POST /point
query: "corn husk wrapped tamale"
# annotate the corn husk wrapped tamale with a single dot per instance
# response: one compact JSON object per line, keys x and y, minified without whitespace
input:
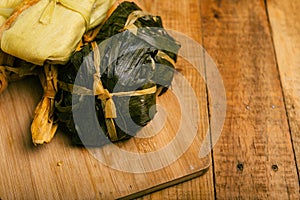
{"x":12,"y":68}
{"x":49,"y":30}
{"x":99,"y":12}
{"x":6,"y":9}
{"x":116,"y":81}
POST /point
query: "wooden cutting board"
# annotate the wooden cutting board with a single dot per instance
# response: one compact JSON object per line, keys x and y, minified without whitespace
{"x":59,"y":170}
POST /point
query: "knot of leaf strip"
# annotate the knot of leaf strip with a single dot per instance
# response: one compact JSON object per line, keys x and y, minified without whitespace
{"x":105,"y":97}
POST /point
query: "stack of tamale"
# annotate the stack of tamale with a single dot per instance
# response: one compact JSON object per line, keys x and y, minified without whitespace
{"x":100,"y":78}
{"x":46,"y":33}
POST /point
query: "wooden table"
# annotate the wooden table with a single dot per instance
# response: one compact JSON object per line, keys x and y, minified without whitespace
{"x":256,"y":47}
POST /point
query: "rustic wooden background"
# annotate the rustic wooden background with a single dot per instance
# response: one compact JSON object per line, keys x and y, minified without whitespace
{"x":256,"y":47}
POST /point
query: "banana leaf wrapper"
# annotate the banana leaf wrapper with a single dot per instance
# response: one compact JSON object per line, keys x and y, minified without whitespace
{"x":130,"y":61}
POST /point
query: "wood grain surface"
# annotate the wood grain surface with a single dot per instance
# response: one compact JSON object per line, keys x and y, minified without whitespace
{"x":61,"y":171}
{"x":286,"y":35}
{"x":254,"y":158}
{"x":255,"y":45}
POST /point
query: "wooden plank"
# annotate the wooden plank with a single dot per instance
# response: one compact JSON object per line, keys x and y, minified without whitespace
{"x":254,"y":157}
{"x":284,"y":18}
{"x":198,"y":188}
{"x":183,"y":16}
{"x":59,"y":170}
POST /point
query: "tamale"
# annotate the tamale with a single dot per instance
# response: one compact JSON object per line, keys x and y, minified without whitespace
{"x":6,"y":9}
{"x":118,"y":95}
{"x":99,"y":11}
{"x":49,"y":30}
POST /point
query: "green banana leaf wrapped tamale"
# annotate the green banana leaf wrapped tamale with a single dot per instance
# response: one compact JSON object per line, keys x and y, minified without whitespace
{"x":113,"y":81}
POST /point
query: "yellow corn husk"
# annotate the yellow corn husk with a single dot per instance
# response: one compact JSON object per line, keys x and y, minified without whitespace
{"x":4,"y":14}
{"x":43,"y":126}
{"x":6,"y":9}
{"x":9,"y":3}
{"x":17,"y":11}
{"x":3,"y":79}
{"x":99,"y":12}
{"x":5,"y":60}
{"x":49,"y":30}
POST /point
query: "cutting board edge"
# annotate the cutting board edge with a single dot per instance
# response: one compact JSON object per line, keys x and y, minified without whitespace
{"x":187,"y":177}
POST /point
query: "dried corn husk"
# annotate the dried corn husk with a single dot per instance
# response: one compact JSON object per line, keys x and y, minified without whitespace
{"x":43,"y":126}
{"x":9,"y":3}
{"x":18,"y":10}
{"x":129,"y":65}
{"x":48,"y":30}
{"x":13,"y":69}
{"x":4,"y":14}
{"x":4,"y":61}
{"x":99,"y":12}
{"x":6,"y":9}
